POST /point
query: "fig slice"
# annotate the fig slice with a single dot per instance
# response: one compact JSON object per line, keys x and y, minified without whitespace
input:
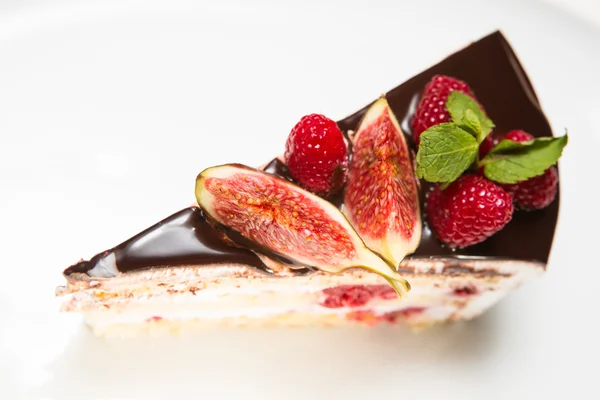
{"x":279,"y":218}
{"x":381,"y":200}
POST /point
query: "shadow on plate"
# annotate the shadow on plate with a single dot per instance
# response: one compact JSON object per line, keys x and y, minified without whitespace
{"x":258,"y":362}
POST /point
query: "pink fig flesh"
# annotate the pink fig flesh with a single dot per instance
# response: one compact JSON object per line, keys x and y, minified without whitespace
{"x":382,"y":199}
{"x":287,"y":220}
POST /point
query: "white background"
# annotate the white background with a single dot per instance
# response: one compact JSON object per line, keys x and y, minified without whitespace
{"x":108,"y":110}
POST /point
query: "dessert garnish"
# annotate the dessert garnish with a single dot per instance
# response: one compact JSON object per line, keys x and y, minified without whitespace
{"x":431,"y":109}
{"x":465,"y":210}
{"x":316,"y":155}
{"x":537,"y":192}
{"x":468,"y":211}
{"x":273,"y":216}
{"x":293,"y":219}
{"x":382,"y":198}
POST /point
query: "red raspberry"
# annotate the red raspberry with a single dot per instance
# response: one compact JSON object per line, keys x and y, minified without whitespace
{"x":316,"y":154}
{"x":486,"y":146}
{"x":537,"y":192}
{"x":468,"y":211}
{"x":431,"y":109}
{"x":356,"y":295}
{"x":518,"y":136}
{"x":347,"y":296}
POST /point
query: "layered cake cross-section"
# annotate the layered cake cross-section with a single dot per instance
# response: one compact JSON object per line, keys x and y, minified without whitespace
{"x":413,"y":209}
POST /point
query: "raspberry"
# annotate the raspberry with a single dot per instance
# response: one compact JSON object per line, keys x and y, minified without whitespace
{"x":316,"y":155}
{"x":486,"y":146}
{"x":355,"y":295}
{"x":431,"y":109}
{"x":518,"y":136}
{"x":537,"y":192}
{"x":468,"y":211}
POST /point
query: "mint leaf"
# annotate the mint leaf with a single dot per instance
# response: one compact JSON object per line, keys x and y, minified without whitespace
{"x":471,"y":124}
{"x":508,"y":146}
{"x":445,"y":152}
{"x":512,"y":162}
{"x":458,"y":105}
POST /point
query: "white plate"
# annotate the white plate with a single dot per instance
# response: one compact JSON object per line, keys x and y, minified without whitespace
{"x":108,"y":110}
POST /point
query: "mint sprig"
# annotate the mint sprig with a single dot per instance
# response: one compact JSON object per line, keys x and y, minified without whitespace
{"x":447,"y":150}
{"x":512,"y":162}
{"x":466,"y":113}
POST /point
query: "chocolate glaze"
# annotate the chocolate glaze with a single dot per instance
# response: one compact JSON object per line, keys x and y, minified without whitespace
{"x":184,"y":238}
{"x":501,"y":85}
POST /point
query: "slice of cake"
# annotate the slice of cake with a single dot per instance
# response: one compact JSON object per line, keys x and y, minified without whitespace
{"x":412,"y":209}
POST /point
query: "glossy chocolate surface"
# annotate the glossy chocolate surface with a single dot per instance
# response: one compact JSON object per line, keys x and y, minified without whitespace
{"x":497,"y":79}
{"x":184,"y":238}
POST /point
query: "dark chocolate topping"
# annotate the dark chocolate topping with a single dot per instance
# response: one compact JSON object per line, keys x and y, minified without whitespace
{"x":184,"y":238}
{"x":493,"y":72}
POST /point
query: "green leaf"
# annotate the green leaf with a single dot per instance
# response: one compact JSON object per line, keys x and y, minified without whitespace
{"x":512,"y":162}
{"x":508,"y":146}
{"x":445,"y":152}
{"x":463,"y":110}
{"x":471,"y":124}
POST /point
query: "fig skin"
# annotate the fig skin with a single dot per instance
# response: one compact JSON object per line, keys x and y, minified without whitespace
{"x":277,"y":218}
